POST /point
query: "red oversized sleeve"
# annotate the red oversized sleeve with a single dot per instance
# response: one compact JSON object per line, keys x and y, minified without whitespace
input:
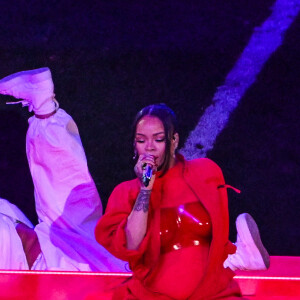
{"x":110,"y":229}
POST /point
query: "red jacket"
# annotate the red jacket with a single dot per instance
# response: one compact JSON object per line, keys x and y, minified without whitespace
{"x":205,"y":178}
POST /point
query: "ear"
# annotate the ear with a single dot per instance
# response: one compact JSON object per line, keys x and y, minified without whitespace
{"x":175,"y":140}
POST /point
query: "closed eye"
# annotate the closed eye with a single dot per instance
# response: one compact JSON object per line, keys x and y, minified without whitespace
{"x":160,"y":140}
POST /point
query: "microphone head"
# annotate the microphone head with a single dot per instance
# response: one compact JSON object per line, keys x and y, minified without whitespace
{"x":147,"y":174}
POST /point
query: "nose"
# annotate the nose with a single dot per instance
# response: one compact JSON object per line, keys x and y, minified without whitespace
{"x":150,"y":145}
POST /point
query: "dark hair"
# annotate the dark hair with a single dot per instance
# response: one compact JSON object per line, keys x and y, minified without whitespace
{"x":169,"y":120}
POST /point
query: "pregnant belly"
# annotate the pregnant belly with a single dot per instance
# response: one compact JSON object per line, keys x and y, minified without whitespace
{"x":179,"y":272}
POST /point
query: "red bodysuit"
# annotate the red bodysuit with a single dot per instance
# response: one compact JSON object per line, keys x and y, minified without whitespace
{"x":184,"y":226}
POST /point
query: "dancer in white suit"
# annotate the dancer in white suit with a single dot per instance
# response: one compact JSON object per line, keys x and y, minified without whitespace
{"x":67,"y":202}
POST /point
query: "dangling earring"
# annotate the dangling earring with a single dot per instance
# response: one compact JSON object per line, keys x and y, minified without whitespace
{"x":175,"y":138}
{"x":135,"y":154}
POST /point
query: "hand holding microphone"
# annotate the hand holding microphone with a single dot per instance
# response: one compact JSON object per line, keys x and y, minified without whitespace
{"x":145,"y":169}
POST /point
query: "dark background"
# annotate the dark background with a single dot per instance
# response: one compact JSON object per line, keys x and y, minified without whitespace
{"x":109,"y":59}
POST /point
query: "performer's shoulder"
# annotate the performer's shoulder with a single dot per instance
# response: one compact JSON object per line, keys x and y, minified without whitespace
{"x":203,"y":163}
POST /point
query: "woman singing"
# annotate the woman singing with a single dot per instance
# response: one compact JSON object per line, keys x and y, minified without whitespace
{"x":170,"y":223}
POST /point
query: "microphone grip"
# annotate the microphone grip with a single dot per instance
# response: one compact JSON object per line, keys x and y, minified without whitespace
{"x":147,"y":174}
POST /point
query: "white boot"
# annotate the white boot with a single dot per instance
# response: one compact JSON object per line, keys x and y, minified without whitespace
{"x":251,"y":253}
{"x":35,"y":87}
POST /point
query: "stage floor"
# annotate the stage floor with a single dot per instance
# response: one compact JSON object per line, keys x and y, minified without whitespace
{"x":281,"y":281}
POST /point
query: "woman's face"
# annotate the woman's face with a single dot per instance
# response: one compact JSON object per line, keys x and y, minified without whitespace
{"x":150,"y":138}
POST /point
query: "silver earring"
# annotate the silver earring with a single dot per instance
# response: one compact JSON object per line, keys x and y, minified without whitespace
{"x":135,"y":154}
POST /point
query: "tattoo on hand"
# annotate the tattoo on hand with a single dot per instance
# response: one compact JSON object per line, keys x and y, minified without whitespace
{"x":142,"y":201}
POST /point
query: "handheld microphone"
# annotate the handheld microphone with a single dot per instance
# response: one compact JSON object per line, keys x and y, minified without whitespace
{"x":147,"y":174}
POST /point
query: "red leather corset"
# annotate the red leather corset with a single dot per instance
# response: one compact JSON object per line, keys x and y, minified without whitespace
{"x":184,"y":226}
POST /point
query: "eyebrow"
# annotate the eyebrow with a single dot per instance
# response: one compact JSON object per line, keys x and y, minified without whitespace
{"x":155,"y":134}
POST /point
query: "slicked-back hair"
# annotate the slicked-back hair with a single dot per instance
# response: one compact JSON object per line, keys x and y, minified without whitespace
{"x":169,"y":120}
